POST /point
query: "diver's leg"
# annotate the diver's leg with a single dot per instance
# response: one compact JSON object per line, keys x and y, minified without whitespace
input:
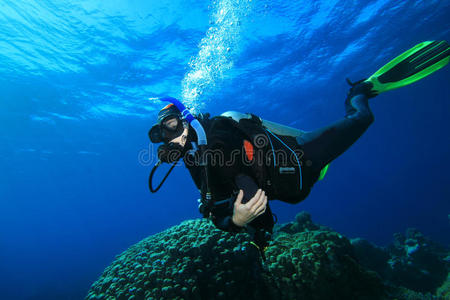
{"x":325,"y":144}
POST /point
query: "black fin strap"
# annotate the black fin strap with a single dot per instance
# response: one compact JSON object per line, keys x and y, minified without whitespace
{"x":354,"y":83}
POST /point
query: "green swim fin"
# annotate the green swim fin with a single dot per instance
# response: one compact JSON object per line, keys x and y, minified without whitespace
{"x":410,"y":66}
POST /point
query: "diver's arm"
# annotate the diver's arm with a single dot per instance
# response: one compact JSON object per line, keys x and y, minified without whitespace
{"x":244,"y":213}
{"x":233,"y":217}
{"x":227,"y":224}
{"x":241,"y":208}
{"x":251,"y":203}
{"x":222,"y":210}
{"x":222,"y":214}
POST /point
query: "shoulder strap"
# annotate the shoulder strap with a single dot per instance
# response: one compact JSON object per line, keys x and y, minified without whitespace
{"x":253,"y":129}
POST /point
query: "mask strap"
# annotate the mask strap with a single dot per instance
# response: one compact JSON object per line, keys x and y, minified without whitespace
{"x":150,"y":179}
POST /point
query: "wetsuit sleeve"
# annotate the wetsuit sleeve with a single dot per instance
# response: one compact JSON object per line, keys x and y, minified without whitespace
{"x":226,"y":224}
{"x":222,"y":218}
{"x":222,"y":213}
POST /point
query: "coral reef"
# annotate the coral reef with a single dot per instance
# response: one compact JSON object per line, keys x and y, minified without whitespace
{"x":416,"y":262}
{"x":444,"y":291}
{"x":370,"y":256}
{"x":411,"y":261}
{"x":308,"y":261}
{"x":194,"y":260}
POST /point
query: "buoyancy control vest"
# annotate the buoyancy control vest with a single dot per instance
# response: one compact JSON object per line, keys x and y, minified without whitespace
{"x":277,"y":161}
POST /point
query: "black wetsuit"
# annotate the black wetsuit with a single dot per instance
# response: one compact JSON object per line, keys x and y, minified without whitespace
{"x":319,"y":148}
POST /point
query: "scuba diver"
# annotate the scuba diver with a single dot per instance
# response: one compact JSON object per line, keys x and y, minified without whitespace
{"x":240,"y":162}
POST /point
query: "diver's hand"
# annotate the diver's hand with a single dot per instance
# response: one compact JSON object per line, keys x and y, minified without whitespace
{"x":245,"y":213}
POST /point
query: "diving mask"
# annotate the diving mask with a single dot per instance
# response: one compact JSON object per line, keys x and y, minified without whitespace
{"x":170,"y":128}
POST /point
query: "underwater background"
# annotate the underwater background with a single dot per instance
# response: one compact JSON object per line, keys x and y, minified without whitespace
{"x":76,"y":78}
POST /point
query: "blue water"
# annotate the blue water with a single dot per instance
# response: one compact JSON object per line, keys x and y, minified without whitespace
{"x":76,"y":78}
